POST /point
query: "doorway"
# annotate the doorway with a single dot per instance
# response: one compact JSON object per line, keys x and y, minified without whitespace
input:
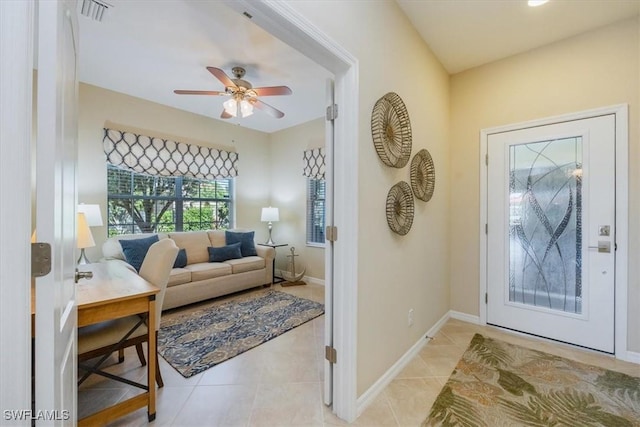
{"x":554,"y":221}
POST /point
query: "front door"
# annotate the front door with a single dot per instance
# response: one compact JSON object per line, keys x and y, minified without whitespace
{"x":551,"y":231}
{"x":56,"y":315}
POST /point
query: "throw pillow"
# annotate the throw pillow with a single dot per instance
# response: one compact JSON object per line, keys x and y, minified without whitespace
{"x":136,"y":249}
{"x":248,"y":247}
{"x":181,"y":259}
{"x":224,"y":253}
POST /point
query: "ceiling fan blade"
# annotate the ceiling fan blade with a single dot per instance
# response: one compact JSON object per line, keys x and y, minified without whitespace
{"x":225,"y":115}
{"x":222,"y":76}
{"x":272,"y":90}
{"x":198,"y":92}
{"x":268,"y":109}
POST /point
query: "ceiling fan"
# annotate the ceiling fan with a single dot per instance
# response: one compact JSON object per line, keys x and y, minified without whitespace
{"x":243,"y":96}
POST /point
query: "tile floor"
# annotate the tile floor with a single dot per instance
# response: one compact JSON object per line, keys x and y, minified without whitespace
{"x":280,"y":383}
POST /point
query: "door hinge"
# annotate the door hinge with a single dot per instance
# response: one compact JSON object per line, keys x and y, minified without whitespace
{"x":40,"y":259}
{"x":486,"y":297}
{"x":486,"y":228}
{"x":332,"y":112}
{"x":486,"y":159}
{"x":330,"y":354}
{"x":331,"y":233}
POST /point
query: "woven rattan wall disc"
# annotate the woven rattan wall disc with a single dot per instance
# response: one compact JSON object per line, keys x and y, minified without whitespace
{"x":423,"y":175}
{"x":400,"y":208}
{"x":391,"y":130}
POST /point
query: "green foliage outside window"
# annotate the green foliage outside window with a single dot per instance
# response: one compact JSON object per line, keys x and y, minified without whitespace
{"x":139,"y":203}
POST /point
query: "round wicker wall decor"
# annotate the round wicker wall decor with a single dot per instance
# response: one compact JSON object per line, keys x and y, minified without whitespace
{"x":400,"y":208}
{"x":423,"y":175}
{"x":391,"y":130}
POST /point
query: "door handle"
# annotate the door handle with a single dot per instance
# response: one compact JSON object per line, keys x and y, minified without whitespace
{"x":603,"y":246}
{"x":83,"y":275}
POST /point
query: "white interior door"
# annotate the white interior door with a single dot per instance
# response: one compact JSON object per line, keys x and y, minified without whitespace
{"x":328,"y":250}
{"x":551,"y":231}
{"x":56,"y":156}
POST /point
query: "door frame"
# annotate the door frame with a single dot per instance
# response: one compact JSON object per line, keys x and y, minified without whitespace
{"x":17,"y":20}
{"x":282,"y":21}
{"x":621,"y":113}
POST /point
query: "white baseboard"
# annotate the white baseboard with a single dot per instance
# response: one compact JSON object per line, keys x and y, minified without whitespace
{"x":464,"y":317}
{"x":369,"y":396}
{"x":632,"y":356}
{"x":313,"y":280}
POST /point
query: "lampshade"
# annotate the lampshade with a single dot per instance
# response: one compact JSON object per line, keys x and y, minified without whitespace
{"x":231,"y":107}
{"x":270,"y":215}
{"x":92,"y":214}
{"x":246,"y":109}
{"x":85,"y":238}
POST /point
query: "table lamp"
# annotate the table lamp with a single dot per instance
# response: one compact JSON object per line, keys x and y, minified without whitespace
{"x":270,"y":215}
{"x":91,"y":218}
{"x":85,"y":238}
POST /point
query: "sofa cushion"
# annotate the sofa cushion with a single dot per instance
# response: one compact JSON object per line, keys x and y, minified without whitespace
{"x":249,"y":263}
{"x":248,"y":247}
{"x":181,"y":259}
{"x":136,"y":249}
{"x":217,"y":238}
{"x":112,"y":249}
{"x":224,"y":253}
{"x":195,"y":243}
{"x":208,"y":270}
{"x":178,"y":276}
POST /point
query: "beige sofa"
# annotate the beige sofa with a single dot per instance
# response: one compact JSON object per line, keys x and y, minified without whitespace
{"x":200,"y":279}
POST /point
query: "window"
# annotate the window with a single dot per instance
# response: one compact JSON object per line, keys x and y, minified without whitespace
{"x":139,"y":203}
{"x":315,"y":211}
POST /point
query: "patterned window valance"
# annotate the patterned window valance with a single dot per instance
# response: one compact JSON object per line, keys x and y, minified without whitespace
{"x":157,"y":156}
{"x":314,"y":163}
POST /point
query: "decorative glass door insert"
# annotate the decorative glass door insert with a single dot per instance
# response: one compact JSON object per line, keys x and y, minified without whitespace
{"x":545,"y":224}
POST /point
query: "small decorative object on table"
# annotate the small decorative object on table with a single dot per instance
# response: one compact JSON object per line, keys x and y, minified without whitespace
{"x":290,"y":276}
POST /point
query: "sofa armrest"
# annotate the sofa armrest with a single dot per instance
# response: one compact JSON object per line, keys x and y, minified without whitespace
{"x":266,"y":252}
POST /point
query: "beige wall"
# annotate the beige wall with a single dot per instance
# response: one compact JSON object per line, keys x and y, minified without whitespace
{"x":395,"y":273}
{"x":289,"y":193}
{"x":97,"y":107}
{"x":593,"y":70}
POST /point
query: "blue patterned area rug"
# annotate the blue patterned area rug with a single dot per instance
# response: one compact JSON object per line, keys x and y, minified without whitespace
{"x":195,"y":340}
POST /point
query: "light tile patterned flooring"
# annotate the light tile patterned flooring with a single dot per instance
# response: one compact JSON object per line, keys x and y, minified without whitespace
{"x":280,"y":383}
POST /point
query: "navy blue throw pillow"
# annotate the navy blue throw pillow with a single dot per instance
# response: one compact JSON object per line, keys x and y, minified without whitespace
{"x":248,"y":247}
{"x":224,"y":253}
{"x":136,"y":249}
{"x":181,"y":259}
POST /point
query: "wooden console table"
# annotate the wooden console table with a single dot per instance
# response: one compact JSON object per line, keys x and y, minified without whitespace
{"x":112,"y":293}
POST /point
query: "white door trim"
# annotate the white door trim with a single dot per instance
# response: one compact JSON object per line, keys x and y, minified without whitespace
{"x":621,"y":113}
{"x":285,"y":23}
{"x":16,"y":86}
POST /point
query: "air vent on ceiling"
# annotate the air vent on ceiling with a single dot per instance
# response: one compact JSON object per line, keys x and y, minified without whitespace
{"x":94,"y":9}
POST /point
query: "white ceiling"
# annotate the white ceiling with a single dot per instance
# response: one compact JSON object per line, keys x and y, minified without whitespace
{"x":147,"y":49}
{"x":466,"y":33}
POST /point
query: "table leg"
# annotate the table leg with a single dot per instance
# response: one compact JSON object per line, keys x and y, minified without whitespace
{"x":152,"y":356}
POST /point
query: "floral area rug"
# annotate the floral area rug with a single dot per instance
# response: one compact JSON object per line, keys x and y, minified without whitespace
{"x":196,"y":340}
{"x":500,"y":384}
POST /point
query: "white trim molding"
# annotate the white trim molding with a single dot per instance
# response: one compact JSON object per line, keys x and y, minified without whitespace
{"x":284,"y":22}
{"x":372,"y":392}
{"x":621,"y":112}
{"x":469,"y":318}
{"x":16,"y":112}
{"x":313,"y":280}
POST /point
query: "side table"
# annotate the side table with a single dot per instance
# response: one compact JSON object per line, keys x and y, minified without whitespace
{"x":275,"y":279}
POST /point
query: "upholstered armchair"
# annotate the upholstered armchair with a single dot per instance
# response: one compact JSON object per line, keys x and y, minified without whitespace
{"x":104,"y":338}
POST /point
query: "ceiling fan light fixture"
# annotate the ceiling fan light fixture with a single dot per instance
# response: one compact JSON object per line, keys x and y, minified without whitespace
{"x":246,"y":109}
{"x":535,"y":3}
{"x":231,"y":107}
